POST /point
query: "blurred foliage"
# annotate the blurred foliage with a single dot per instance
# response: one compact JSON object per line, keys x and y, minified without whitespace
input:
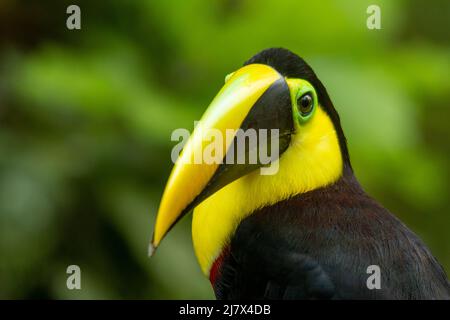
{"x":86,"y":117}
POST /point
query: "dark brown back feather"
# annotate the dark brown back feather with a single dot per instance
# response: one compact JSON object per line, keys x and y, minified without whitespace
{"x":319,"y":245}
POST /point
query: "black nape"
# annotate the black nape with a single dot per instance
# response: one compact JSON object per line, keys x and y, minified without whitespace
{"x":285,"y":62}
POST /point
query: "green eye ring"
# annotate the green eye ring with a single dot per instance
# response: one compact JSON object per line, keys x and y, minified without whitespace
{"x":305,"y":102}
{"x":304,"y":99}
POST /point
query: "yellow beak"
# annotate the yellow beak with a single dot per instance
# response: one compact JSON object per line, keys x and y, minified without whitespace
{"x":228,"y":110}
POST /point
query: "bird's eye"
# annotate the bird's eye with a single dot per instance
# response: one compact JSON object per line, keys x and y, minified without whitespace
{"x":305,"y":104}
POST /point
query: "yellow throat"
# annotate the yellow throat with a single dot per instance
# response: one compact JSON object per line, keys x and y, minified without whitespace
{"x":312,"y":160}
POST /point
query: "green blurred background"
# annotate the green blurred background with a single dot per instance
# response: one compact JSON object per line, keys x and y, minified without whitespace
{"x":86,"y":118}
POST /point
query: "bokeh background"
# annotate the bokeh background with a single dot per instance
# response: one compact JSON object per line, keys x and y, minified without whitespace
{"x":86,"y":118}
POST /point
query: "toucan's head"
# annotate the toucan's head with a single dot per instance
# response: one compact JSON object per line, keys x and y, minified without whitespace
{"x":275,"y":89}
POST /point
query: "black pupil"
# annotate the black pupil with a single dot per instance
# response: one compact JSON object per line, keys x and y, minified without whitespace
{"x":305,"y":103}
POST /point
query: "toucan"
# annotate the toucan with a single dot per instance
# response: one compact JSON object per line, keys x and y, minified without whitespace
{"x":308,"y":230}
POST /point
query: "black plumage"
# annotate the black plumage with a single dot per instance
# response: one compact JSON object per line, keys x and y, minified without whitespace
{"x":318,"y":245}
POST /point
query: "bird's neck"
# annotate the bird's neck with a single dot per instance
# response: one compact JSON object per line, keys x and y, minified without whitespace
{"x":313,"y":160}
